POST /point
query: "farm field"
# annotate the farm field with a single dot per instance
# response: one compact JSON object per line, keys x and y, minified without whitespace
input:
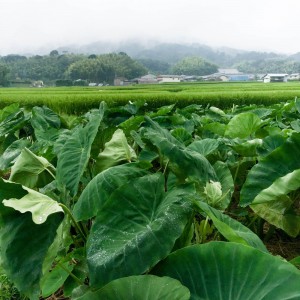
{"x":175,"y":203}
{"x":77,"y":100}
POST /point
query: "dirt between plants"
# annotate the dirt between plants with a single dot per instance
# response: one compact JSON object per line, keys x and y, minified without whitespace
{"x":286,"y":247}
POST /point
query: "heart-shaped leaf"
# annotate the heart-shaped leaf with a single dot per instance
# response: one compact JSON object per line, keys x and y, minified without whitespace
{"x":40,"y":206}
{"x":24,"y":244}
{"x":100,"y":188}
{"x":117,"y":150}
{"x":136,"y":228}
{"x":243,"y":125}
{"x":145,"y":287}
{"x":75,"y":153}
{"x":220,"y":270}
{"x":231,"y":229}
{"x":270,"y":181}
{"x":31,"y":170}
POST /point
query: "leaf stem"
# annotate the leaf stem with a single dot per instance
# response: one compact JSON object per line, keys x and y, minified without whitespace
{"x":236,"y":172}
{"x":70,"y":273}
{"x":78,"y":228}
{"x":204,"y":234}
{"x":50,"y":173}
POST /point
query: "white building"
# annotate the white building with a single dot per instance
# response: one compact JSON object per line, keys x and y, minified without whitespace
{"x":148,"y":79}
{"x":275,"y":78}
{"x":294,"y":76}
{"x":168,"y":78}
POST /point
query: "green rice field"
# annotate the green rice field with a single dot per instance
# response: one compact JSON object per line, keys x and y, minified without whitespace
{"x":76,"y":100}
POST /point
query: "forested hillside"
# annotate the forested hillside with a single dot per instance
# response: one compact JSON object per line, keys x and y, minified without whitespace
{"x":100,"y":62}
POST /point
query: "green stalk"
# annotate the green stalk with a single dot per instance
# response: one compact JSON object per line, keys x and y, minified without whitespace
{"x":236,"y":172}
{"x":70,"y":273}
{"x":203,"y":237}
{"x":165,"y":175}
{"x":50,"y":173}
{"x":78,"y":228}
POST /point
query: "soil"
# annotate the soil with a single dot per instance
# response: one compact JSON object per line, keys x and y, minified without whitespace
{"x":284,"y":246}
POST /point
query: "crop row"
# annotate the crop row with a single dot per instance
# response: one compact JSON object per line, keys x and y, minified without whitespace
{"x":222,"y":95}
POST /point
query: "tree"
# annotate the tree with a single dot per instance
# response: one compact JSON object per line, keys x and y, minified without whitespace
{"x":54,"y":53}
{"x":93,"y":70}
{"x":124,"y":65}
{"x":92,"y":56}
{"x":194,"y":66}
{"x":155,"y":66}
{"x":105,"y":67}
{"x":4,"y":71}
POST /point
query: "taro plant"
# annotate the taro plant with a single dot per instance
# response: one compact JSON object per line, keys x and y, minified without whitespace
{"x":110,"y":207}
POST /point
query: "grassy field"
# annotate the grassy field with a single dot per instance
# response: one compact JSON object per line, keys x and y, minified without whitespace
{"x":76,"y":100}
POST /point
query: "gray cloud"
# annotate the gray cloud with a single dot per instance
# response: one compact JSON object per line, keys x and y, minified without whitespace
{"x":270,"y":25}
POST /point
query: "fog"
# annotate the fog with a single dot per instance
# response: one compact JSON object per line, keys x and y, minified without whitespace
{"x":30,"y":26}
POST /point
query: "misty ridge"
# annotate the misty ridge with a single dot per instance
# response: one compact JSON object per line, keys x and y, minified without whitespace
{"x":172,"y":52}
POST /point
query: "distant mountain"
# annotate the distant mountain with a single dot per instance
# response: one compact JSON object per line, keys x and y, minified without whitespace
{"x":295,"y":57}
{"x":173,"y":52}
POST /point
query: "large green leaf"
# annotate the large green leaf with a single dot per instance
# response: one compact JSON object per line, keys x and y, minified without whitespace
{"x":220,"y":270}
{"x":163,"y":133}
{"x":12,"y":152}
{"x":32,"y":170}
{"x":269,"y":183}
{"x":231,"y":229}
{"x":10,"y":190}
{"x":24,"y":244}
{"x":185,"y":163}
{"x":60,"y":272}
{"x":8,"y":110}
{"x":248,"y":148}
{"x":74,"y":155}
{"x":136,"y":228}
{"x":13,"y":122}
{"x":270,"y":143}
{"x":43,"y":118}
{"x":117,"y":150}
{"x":243,"y":125}
{"x":278,"y":211}
{"x":145,"y":287}
{"x":182,"y":135}
{"x":204,"y":147}
{"x":279,"y":163}
{"x":100,"y":188}
{"x":39,"y":205}
{"x":54,"y":280}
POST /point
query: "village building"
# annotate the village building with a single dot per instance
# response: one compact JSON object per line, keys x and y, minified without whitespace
{"x":294,"y":76}
{"x":228,"y":75}
{"x":148,"y":79}
{"x":169,"y":78}
{"x":275,"y":78}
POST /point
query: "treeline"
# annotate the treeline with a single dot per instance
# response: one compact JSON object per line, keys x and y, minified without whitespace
{"x":55,"y":66}
{"x":77,"y":69}
{"x":269,"y":66}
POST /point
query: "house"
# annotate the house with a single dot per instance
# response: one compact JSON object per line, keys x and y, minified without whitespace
{"x":148,"y":79}
{"x":294,"y":76}
{"x":238,"y":77}
{"x":168,"y":78}
{"x":38,"y":84}
{"x":227,"y":75}
{"x":190,"y":78}
{"x":275,"y":78}
{"x":118,"y":81}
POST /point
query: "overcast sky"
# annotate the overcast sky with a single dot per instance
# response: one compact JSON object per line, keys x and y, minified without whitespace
{"x":268,"y":25}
